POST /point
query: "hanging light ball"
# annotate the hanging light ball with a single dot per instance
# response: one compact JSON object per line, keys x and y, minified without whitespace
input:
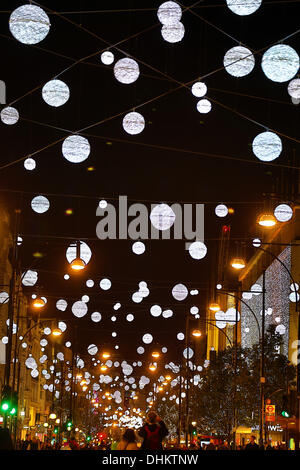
{"x":243,"y":8}
{"x":267,"y":220}
{"x":29,"y":164}
{"x":221,"y":210}
{"x":107,"y":58}
{"x":133,"y":123}
{"x":197,"y":250}
{"x":173,"y":32}
{"x":29,"y":24}
{"x":199,"y":89}
{"x":55,"y":93}
{"x":239,"y":61}
{"x":280,"y":63}
{"x":294,"y":88}
{"x":126,"y":70}
{"x":9,"y":115}
{"x":162,"y":217}
{"x":204,"y":106}
{"x":267,"y":146}
{"x":283,"y":212}
{"x":40,"y":204}
{"x":169,"y":12}
{"x":76,"y":148}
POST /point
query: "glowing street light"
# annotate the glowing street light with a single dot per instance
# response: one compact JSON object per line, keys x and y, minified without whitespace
{"x":38,"y":303}
{"x":152,"y":367}
{"x":214,"y":307}
{"x":57,"y":332}
{"x":155,"y":354}
{"x":238,"y":263}
{"x":267,"y":220}
{"x":196,"y":333}
{"x":77,"y":264}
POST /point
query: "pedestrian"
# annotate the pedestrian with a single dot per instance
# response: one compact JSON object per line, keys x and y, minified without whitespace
{"x":128,"y":441}
{"x":252,"y":444}
{"x":34,"y":444}
{"x":26,"y":443}
{"x":153,"y":432}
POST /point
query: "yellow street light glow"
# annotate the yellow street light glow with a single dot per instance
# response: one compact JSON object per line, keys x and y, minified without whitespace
{"x":152,"y":367}
{"x":84,"y":388}
{"x":267,"y":220}
{"x":196,"y":333}
{"x":214,"y":307}
{"x":155,"y":354}
{"x":38,"y":303}
{"x":238,"y":263}
{"x":56,"y":332}
{"x":168,"y":377}
{"x":57,"y":421}
{"x":77,"y":264}
{"x":107,"y":394}
{"x":106,"y":355}
{"x":103,"y":368}
{"x":52,"y":415}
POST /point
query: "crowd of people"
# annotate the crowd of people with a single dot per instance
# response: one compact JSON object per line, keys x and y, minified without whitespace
{"x":149,"y":437}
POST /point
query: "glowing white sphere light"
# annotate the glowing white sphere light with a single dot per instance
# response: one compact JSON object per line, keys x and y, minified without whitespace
{"x":173,"y":32}
{"x":204,"y":106}
{"x":29,"y":164}
{"x":40,"y":204}
{"x":107,"y":58}
{"x":294,"y":88}
{"x":76,"y":148}
{"x":280,"y":63}
{"x":267,"y":146}
{"x":199,"y":89}
{"x":9,"y":115}
{"x":180,"y":292}
{"x":133,"y":123}
{"x":283,"y":212}
{"x":162,"y":217}
{"x":243,"y":7}
{"x":169,"y":12}
{"x":126,"y":70}
{"x":55,"y":93}
{"x":239,"y":61}
{"x":197,"y":250}
{"x":29,"y":24}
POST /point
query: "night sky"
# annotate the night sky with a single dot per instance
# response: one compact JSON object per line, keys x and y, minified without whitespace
{"x":181,"y":156}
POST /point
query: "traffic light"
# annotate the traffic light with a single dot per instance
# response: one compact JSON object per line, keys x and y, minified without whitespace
{"x":285,"y":407}
{"x":69,"y":424}
{"x":56,"y":430}
{"x":6,"y":400}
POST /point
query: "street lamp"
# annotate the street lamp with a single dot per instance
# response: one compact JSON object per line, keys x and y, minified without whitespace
{"x":238,"y":263}
{"x":196,"y":333}
{"x":38,"y":303}
{"x":77,"y":264}
{"x":214,"y":307}
{"x":155,"y":354}
{"x":267,"y":220}
{"x":57,"y":332}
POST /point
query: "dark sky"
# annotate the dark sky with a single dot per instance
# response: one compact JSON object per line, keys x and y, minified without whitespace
{"x":193,"y":165}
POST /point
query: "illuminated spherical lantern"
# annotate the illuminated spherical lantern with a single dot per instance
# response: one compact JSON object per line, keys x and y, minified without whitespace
{"x":29,"y":278}
{"x":9,"y":115}
{"x":173,"y":32}
{"x":55,"y":93}
{"x":61,"y":305}
{"x":76,"y":148}
{"x":79,"y":309}
{"x":167,"y":313}
{"x":267,"y":146}
{"x":244,"y":7}
{"x":239,"y":61}
{"x":256,"y":242}
{"x":199,"y":89}
{"x":140,"y":350}
{"x":169,"y":12}
{"x":105,"y":284}
{"x":138,"y":248}
{"x":294,"y":88}
{"x":280,"y":63}
{"x":197,"y":250}
{"x":188,"y":353}
{"x":147,"y":338}
{"x":180,"y":336}
{"x":92,"y":349}
{"x":126,"y":70}
{"x":180,"y":292}
{"x":96,"y":317}
{"x":204,"y":106}
{"x":283,"y":212}
{"x":29,"y":24}
{"x":155,"y":310}
{"x":133,"y":123}
{"x":62,"y":326}
{"x":29,"y":164}
{"x":107,"y":58}
{"x":40,"y":204}
{"x":280,"y":329}
{"x":162,"y":217}
{"x":221,"y":210}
